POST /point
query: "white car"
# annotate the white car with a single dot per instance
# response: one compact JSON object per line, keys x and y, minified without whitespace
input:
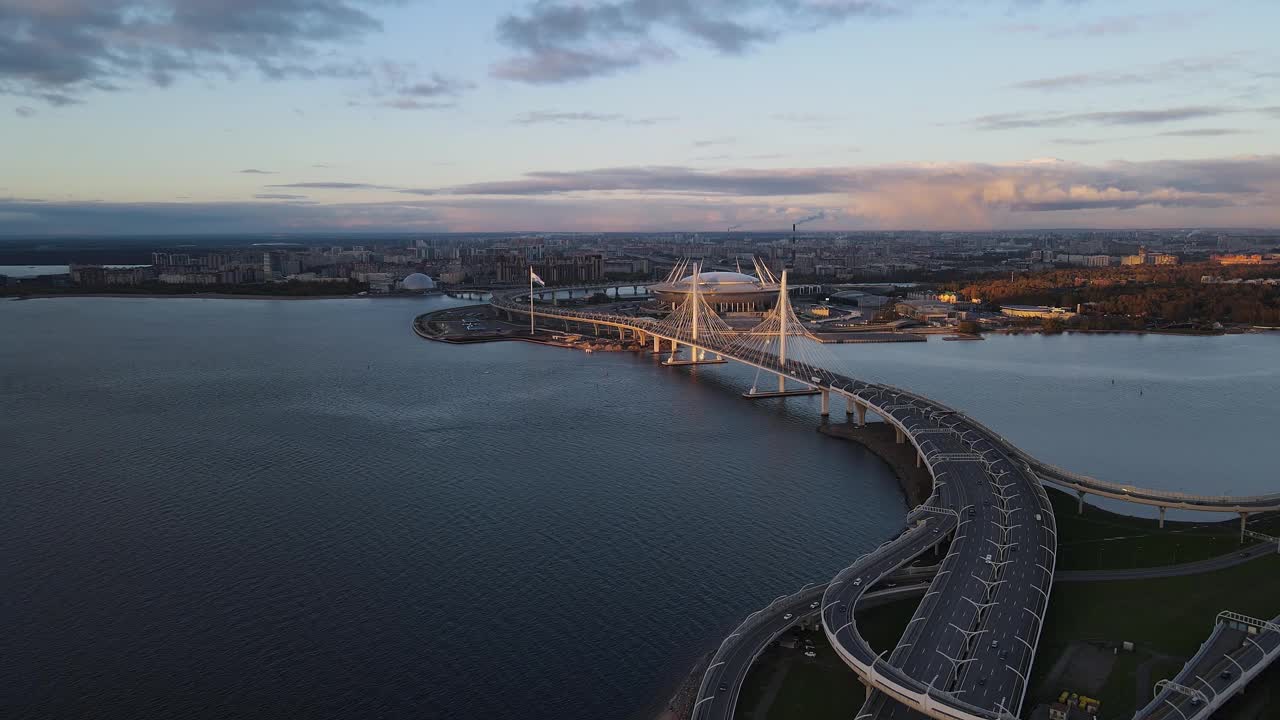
{"x":814,"y":604}
{"x":810,"y":653}
{"x":788,"y":616}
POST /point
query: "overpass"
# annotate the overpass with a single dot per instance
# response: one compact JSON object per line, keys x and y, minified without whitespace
{"x":968,"y":651}
{"x":1236,"y":651}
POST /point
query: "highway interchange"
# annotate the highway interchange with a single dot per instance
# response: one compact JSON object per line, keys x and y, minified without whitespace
{"x":968,"y":650}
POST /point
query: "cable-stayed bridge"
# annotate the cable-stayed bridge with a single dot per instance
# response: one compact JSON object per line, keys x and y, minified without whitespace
{"x":968,"y":650}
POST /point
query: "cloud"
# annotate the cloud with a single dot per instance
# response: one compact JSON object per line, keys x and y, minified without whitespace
{"x":1105,"y":26}
{"x":402,"y":86}
{"x":539,"y":117}
{"x":411,"y":104}
{"x":561,"y":41}
{"x":60,"y":51}
{"x":713,"y":142}
{"x":1172,"y":70}
{"x":278,"y":196}
{"x":333,"y":186}
{"x":929,"y":195}
{"x":1013,"y":121}
{"x":1205,"y":132}
{"x":24,"y":111}
{"x":1217,"y":192}
{"x":254,"y":171}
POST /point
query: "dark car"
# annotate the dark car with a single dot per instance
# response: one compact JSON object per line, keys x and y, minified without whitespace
{"x":724,"y":687}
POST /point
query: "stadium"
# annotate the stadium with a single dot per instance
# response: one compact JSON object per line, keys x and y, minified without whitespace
{"x":725,"y":292}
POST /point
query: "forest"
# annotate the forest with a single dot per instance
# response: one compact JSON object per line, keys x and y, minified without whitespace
{"x":1140,"y":296}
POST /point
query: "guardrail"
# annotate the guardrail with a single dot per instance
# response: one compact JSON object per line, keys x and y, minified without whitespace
{"x":1210,"y":704}
{"x":747,"y":624}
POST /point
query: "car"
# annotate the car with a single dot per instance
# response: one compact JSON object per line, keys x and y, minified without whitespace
{"x":1195,"y":701}
{"x":982,"y":681}
{"x":1244,"y":554}
{"x":995,"y":643}
{"x":1225,"y":675}
{"x":1004,"y":654}
{"x":724,"y":687}
{"x":810,"y":653}
{"x":857,"y":581}
{"x":788,"y":616}
{"x":814,"y":604}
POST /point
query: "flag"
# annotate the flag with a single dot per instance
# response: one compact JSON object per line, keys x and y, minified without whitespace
{"x":534,"y":277}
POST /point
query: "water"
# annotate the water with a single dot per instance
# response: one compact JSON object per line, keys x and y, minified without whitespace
{"x":220,"y":509}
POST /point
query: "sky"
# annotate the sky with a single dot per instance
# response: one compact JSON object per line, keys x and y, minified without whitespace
{"x":291,"y":116}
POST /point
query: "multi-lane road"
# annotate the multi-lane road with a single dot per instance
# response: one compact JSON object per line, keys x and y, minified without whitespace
{"x":968,"y":650}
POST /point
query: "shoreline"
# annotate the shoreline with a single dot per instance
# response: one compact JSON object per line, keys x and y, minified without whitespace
{"x":878,"y":439}
{"x":915,"y":483}
{"x":200,"y":296}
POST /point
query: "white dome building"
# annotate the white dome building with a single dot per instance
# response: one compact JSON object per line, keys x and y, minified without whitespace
{"x":417,"y":282}
{"x":723,"y":291}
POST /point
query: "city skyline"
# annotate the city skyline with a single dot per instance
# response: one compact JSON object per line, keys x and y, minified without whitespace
{"x":135,"y":117}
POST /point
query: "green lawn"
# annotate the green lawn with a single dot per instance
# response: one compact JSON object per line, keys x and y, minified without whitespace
{"x":1165,"y":616}
{"x":821,"y":687}
{"x":1102,"y":540}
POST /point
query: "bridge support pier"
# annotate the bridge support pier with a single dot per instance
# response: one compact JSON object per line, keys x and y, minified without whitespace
{"x":826,"y":403}
{"x":898,"y":437}
{"x":1162,"y":509}
{"x":919,"y":459}
{"x":848,"y":406}
{"x":1244,"y":521}
{"x":1080,"y":499}
{"x":862,"y":414}
{"x":657,"y":345}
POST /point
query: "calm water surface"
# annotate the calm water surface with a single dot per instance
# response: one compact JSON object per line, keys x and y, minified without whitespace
{"x":221,"y":509}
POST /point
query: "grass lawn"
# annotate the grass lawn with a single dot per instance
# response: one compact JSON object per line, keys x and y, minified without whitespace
{"x":1165,"y":616}
{"x":821,"y":687}
{"x":1102,"y":540}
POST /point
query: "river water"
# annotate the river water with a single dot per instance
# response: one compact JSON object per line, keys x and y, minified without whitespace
{"x":223,"y":508}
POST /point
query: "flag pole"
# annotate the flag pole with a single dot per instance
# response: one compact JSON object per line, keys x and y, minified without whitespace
{"x":531,"y":330}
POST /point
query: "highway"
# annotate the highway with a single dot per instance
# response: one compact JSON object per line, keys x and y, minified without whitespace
{"x":1236,"y":651}
{"x":968,"y":650}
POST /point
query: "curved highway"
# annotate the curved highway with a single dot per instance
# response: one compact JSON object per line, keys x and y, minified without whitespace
{"x":968,"y":650}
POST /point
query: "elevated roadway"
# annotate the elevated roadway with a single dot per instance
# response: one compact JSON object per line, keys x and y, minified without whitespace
{"x":968,"y":651}
{"x":1238,"y":649}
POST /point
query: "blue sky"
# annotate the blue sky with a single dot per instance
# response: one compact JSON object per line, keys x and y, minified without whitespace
{"x":143,"y":115}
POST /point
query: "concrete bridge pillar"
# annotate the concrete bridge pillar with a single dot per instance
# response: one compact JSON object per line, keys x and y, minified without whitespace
{"x":1162,"y":509}
{"x":826,"y":403}
{"x":848,"y":406}
{"x":1080,"y":498}
{"x":898,"y":435}
{"x":919,"y":459}
{"x":657,"y":344}
{"x":862,"y":414}
{"x":782,"y":383}
{"x":1244,"y":521}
